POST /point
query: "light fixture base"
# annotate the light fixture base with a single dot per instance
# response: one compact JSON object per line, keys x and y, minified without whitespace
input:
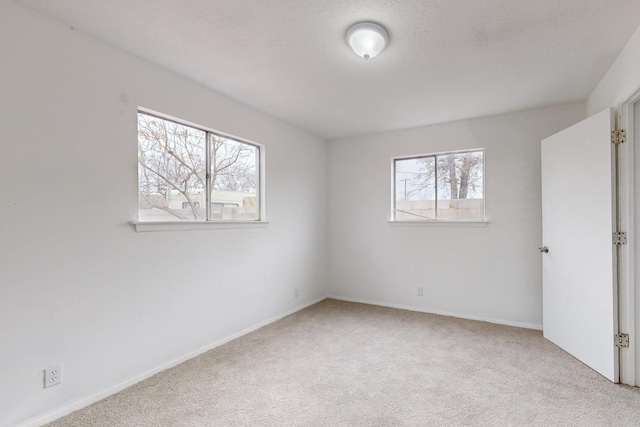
{"x":367,"y":39}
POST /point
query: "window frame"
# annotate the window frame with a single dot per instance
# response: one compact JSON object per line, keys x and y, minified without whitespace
{"x":437,"y":221}
{"x":208,"y":223}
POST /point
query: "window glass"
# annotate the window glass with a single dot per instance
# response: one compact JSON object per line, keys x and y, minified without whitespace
{"x":415,"y":189}
{"x":177,"y":180}
{"x":445,"y":186}
{"x":234,"y":179}
{"x":460,"y":186}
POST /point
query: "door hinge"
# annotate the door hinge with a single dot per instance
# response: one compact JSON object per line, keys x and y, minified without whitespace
{"x":620,"y":238}
{"x":621,"y":340}
{"x":618,"y":136}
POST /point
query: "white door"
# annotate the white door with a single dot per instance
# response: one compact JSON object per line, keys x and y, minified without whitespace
{"x":579,"y":296}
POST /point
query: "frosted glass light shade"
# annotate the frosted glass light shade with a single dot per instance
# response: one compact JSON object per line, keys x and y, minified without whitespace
{"x":367,"y":39}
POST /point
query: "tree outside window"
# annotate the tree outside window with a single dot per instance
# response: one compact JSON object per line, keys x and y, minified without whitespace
{"x":187,"y":173}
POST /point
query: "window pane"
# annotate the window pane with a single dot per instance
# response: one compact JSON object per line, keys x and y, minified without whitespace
{"x":234,"y":179}
{"x":415,"y":189}
{"x":461,"y":186}
{"x":171,"y":170}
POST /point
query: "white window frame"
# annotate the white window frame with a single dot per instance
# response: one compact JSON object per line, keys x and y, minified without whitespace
{"x":208,"y":224}
{"x":436,"y":221}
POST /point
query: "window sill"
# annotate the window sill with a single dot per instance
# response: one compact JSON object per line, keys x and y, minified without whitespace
{"x":143,"y":226}
{"x":435,"y":223}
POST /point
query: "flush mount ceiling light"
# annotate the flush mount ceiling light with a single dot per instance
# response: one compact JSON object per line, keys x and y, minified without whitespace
{"x":367,"y":39}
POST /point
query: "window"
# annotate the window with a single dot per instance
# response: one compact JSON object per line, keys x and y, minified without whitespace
{"x":444,"y":187}
{"x":188,"y":173}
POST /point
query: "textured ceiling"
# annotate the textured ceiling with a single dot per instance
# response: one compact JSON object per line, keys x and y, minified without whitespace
{"x":447,"y":59}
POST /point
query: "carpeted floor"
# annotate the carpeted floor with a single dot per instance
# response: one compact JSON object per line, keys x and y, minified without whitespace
{"x":346,"y":364}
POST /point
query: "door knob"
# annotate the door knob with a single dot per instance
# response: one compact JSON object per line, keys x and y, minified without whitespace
{"x":544,"y":249}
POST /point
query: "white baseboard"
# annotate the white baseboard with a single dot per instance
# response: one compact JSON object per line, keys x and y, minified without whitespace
{"x":86,"y":401}
{"x":441,"y":313}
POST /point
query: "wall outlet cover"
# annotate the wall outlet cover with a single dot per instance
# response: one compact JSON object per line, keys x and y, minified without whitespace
{"x":53,"y":375}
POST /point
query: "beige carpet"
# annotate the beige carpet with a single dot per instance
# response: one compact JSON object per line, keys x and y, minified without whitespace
{"x":346,"y":364}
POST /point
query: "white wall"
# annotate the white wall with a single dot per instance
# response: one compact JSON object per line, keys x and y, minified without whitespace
{"x":621,"y":81}
{"x":77,"y":284}
{"x":491,"y":273}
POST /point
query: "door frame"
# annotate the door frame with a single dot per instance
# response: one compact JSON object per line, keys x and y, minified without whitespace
{"x":628,"y":287}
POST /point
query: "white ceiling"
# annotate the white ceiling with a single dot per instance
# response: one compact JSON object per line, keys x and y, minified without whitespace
{"x":447,"y":59}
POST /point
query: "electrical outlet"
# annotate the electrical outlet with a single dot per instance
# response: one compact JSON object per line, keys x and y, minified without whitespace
{"x":296,"y":293}
{"x":53,"y":375}
{"x":420,"y":291}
